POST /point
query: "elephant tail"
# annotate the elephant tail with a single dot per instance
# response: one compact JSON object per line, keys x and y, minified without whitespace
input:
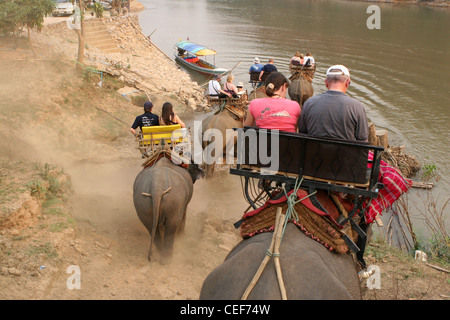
{"x":156,"y":214}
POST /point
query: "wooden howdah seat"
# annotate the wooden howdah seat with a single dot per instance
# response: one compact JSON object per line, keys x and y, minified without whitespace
{"x":254,"y":77}
{"x":156,"y":138}
{"x":306,"y":72}
{"x":240,"y":101}
{"x":337,"y":166}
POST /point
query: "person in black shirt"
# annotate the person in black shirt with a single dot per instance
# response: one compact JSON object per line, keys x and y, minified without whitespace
{"x":268,"y":68}
{"x":146,"y":119}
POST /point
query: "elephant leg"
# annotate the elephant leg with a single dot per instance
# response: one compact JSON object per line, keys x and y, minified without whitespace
{"x":171,"y":227}
{"x":158,"y":239}
{"x":167,"y":250}
{"x":182,"y":225}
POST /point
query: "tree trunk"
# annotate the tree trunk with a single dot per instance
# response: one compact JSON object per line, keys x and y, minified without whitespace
{"x":29,"y":41}
{"x":80,"y":34}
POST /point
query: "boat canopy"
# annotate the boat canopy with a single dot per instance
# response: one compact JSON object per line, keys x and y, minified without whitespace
{"x":194,"y":48}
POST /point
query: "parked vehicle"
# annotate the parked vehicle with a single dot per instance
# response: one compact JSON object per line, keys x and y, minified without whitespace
{"x":62,"y":7}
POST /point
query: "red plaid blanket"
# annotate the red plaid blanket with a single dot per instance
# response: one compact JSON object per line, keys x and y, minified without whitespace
{"x":394,"y":186}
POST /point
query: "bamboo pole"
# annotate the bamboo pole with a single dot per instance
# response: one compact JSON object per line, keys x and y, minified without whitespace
{"x":276,"y":253}
{"x":274,"y":245}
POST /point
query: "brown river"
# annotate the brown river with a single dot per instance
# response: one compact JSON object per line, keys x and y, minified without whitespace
{"x":400,"y":71}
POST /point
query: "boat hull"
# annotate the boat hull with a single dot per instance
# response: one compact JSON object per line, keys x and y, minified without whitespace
{"x":207,"y":68}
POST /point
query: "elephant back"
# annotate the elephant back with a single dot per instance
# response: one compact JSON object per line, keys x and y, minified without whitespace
{"x":258,"y":93}
{"x":300,"y":90}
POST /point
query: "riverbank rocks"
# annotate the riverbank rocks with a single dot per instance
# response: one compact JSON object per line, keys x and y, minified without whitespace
{"x":139,"y":64}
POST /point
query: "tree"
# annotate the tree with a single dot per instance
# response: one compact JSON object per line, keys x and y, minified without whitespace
{"x":8,"y":17}
{"x":18,"y":14}
{"x":80,"y":34}
{"x":32,"y":12}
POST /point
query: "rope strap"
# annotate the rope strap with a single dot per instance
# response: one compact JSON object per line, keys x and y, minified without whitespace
{"x":291,"y":214}
{"x":272,"y":254}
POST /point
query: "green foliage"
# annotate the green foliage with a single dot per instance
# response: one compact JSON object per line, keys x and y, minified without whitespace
{"x":37,"y":189}
{"x":18,"y":14}
{"x":430,"y":171}
{"x":45,"y":249}
{"x":98,"y":10}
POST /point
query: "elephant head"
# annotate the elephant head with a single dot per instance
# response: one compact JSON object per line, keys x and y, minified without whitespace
{"x":195,"y":172}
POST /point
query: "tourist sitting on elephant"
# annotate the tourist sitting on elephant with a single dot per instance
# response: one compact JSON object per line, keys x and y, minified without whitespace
{"x":296,"y":60}
{"x":230,"y":87}
{"x":268,"y":68}
{"x":146,"y":119}
{"x":274,"y":111}
{"x":215,"y":90}
{"x":309,"y":60}
{"x":333,"y":114}
{"x":168,"y":117}
{"x":256,"y":66}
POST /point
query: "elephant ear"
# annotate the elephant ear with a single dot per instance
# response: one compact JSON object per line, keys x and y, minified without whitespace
{"x":196,"y":172}
{"x":294,"y":91}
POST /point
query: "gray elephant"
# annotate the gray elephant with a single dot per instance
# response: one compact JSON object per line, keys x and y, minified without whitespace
{"x":310,"y":271}
{"x":161,"y":194}
{"x":257,"y":93}
{"x":300,"y":90}
{"x":220,"y":121}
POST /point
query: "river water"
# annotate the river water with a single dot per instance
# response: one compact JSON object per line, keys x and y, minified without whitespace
{"x":400,"y":72}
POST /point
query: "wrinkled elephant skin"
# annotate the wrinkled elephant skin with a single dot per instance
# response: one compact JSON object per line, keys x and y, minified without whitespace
{"x":161,"y":194}
{"x":309,"y":271}
{"x":300,"y":90}
{"x":221,"y":121}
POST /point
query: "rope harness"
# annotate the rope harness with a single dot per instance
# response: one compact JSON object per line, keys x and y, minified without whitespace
{"x":274,"y":250}
{"x":317,"y":227}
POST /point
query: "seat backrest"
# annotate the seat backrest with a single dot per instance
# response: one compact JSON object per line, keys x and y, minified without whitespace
{"x":254,"y":76}
{"x":156,"y":134}
{"x":333,"y":160}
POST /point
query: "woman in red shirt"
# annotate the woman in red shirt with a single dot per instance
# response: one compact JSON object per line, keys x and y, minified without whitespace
{"x":275,"y":111}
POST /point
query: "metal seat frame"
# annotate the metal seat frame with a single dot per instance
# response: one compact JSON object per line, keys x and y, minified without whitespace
{"x":307,"y":162}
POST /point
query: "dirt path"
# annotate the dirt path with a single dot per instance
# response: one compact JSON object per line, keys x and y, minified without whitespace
{"x":112,"y":243}
{"x":58,"y":111}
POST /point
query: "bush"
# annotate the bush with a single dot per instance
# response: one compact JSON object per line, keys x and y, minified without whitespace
{"x":98,"y":10}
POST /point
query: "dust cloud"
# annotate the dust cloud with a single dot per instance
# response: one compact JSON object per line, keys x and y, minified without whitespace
{"x":48,"y":115}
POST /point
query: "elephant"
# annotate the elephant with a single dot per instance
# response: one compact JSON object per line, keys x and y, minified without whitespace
{"x":220,"y":121}
{"x":258,"y":93}
{"x":223,"y":121}
{"x":310,"y":271}
{"x":300,"y":90}
{"x":161,"y":193}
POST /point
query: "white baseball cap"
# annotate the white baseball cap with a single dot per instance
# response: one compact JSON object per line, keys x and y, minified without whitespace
{"x":256,"y":60}
{"x":338,"y":70}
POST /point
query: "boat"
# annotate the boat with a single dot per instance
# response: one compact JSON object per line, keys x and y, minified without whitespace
{"x":191,"y":55}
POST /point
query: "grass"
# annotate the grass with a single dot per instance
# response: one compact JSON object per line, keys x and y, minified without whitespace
{"x":46,"y":249}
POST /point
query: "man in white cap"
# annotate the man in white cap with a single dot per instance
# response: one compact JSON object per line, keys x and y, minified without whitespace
{"x":256,"y":66}
{"x":333,"y":114}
